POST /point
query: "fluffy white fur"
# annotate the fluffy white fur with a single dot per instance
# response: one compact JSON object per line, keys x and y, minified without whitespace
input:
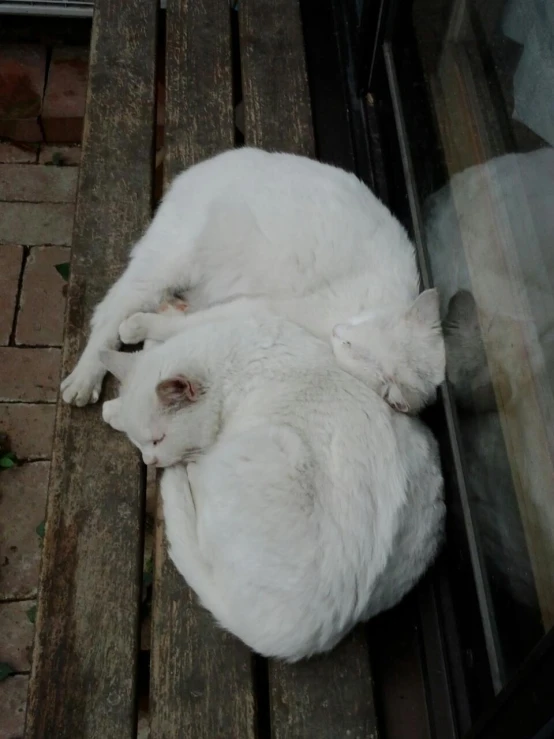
{"x":302,"y":239}
{"x":306,"y":504}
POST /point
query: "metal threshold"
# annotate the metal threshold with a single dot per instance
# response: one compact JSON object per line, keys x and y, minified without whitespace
{"x":59,"y":8}
{"x":73,"y":8}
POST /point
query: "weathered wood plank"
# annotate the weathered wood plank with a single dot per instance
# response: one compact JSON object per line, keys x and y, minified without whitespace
{"x":199,"y":87}
{"x":330,"y":696}
{"x":201,"y":678}
{"x":277,"y":108}
{"x":325,"y":697}
{"x":85,"y":661}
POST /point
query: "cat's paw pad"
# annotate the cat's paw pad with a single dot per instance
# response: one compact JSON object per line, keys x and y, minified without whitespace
{"x":133,"y":329}
{"x":83,"y":385}
{"x":174,"y":305}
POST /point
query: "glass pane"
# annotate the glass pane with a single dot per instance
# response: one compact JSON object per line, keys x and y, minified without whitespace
{"x":488,"y":67}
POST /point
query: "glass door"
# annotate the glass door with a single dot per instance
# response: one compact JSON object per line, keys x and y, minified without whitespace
{"x":472,"y":88}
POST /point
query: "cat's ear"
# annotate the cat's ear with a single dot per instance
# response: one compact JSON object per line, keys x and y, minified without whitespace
{"x":118,"y":363}
{"x":426,"y":309}
{"x":462,"y":312}
{"x":393,"y":396}
{"x":177,"y":391}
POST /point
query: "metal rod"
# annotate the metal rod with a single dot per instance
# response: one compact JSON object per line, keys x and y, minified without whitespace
{"x":53,"y":8}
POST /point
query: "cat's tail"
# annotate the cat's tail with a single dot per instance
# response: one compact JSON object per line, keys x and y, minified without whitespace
{"x":182,"y":537}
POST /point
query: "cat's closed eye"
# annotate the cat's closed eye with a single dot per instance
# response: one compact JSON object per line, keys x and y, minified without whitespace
{"x":155,"y":442}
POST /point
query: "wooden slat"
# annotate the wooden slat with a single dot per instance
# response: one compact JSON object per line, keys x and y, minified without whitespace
{"x":326,"y":697}
{"x":277,"y":108}
{"x":331,"y":695}
{"x":85,"y":661}
{"x":201,"y":677}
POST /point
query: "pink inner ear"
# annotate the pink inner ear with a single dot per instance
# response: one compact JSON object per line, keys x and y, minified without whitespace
{"x":393,"y":396}
{"x":177,"y":390}
{"x":189,"y":389}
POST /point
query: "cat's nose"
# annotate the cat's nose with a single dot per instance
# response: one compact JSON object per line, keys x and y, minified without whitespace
{"x":149,"y":459}
{"x":338,"y":330}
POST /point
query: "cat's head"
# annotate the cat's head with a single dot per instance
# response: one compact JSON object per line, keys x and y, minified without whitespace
{"x":399,"y":355}
{"x":467,"y":366}
{"x":500,"y":374}
{"x":166,"y":414}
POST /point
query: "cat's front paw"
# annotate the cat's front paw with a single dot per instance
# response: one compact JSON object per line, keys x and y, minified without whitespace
{"x":133,"y":329}
{"x":83,"y":385}
{"x":110,"y":412}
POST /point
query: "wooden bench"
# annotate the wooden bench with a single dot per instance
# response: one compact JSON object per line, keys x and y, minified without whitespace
{"x":203,"y":682}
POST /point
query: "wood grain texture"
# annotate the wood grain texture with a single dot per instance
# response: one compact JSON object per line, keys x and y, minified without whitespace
{"x":327,"y":697}
{"x":86,"y":646}
{"x":199,"y":91}
{"x":277,"y":109}
{"x":201,"y":677}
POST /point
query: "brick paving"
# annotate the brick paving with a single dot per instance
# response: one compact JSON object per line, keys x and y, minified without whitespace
{"x":29,"y":375}
{"x":22,"y":75}
{"x":18,"y":153}
{"x":36,"y":220}
{"x":69,"y":156}
{"x":42,"y":106}
{"x":42,"y":285}
{"x":11,"y":260}
{"x":42,"y":94}
{"x":40,"y":184}
{"x":13,"y":698}
{"x":65,"y":96}
{"x":35,"y":224}
{"x":30,"y":427}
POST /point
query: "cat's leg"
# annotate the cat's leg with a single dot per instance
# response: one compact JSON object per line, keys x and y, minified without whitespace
{"x":151,"y":327}
{"x":172,"y":306}
{"x":140,"y":287}
{"x":160,"y":327}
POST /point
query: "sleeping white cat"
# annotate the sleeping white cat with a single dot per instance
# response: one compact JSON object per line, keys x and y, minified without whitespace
{"x":309,"y":242}
{"x":306,"y":504}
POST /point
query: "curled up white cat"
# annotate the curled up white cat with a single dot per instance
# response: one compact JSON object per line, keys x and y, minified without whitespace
{"x":296,"y":501}
{"x":305,"y":240}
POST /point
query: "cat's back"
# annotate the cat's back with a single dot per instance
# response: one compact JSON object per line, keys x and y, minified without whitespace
{"x":376,"y":475}
{"x":289,"y":222}
{"x":368,"y":453}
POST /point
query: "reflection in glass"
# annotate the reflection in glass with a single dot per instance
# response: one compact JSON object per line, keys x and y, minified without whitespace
{"x":489,"y":71}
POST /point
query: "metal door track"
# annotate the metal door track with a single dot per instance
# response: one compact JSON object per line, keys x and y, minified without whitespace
{"x":59,"y":8}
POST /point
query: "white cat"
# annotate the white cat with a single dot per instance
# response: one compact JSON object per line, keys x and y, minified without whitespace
{"x":306,"y":240}
{"x":306,"y":504}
